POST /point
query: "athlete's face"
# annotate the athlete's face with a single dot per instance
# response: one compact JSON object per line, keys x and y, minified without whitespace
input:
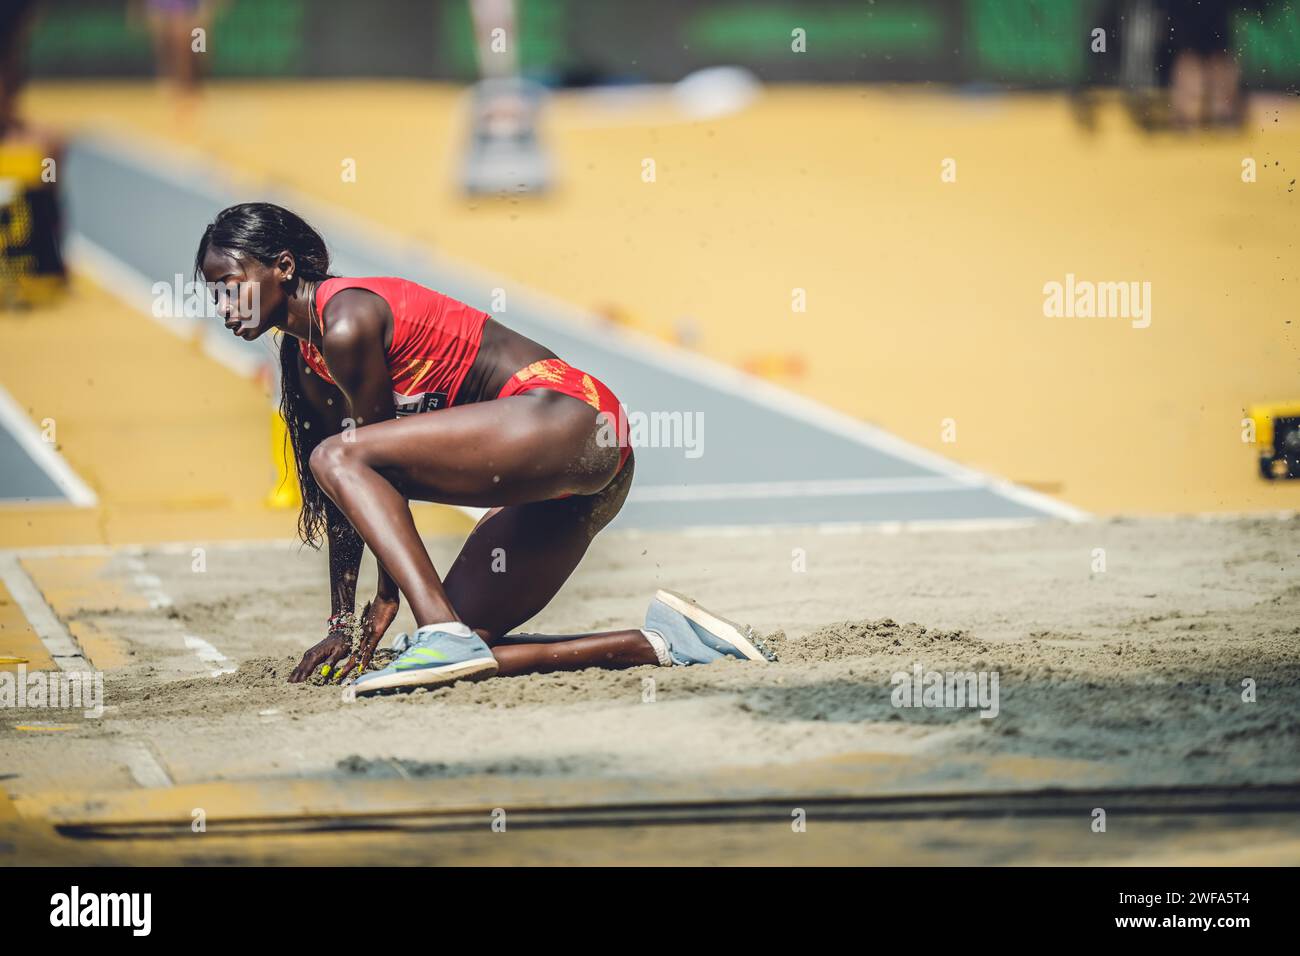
{"x":251,"y":297}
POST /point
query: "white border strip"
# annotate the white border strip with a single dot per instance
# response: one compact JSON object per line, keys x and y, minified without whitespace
{"x":199,"y":175}
{"x":815,"y":488}
{"x":25,"y":432}
{"x":61,"y":645}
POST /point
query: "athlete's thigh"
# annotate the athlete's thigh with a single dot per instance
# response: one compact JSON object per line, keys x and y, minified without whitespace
{"x":519,"y":556}
{"x":507,"y":451}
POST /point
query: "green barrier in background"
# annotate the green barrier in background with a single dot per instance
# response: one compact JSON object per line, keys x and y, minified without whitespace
{"x":1016,"y":42}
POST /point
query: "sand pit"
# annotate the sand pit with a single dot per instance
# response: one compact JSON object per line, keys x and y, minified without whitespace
{"x":1137,"y":669}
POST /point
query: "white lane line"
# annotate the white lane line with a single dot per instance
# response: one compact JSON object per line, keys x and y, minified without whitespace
{"x":28,"y":436}
{"x":145,"y":768}
{"x":61,"y":645}
{"x":218,"y":662}
{"x":149,"y":585}
{"x":814,"y":488}
{"x":637,"y":347}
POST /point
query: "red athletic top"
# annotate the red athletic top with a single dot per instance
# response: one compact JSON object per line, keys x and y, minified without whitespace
{"x":435,"y":341}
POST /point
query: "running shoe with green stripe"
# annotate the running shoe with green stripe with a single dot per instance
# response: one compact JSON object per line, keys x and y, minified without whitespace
{"x":431,"y":658}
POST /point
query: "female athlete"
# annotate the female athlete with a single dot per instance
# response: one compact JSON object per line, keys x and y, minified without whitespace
{"x":392,"y":392}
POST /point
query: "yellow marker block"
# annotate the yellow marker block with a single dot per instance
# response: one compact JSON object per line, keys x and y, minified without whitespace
{"x":1263,"y":415}
{"x":19,"y":644}
{"x":284,"y":493}
{"x":21,"y":162}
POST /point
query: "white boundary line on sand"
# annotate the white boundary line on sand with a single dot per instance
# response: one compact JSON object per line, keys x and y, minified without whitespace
{"x":61,"y":645}
{"x":150,"y":588}
{"x":217,"y":662}
{"x":199,"y":172}
{"x":146,"y":769}
{"x":25,"y":432}
{"x":149,"y":585}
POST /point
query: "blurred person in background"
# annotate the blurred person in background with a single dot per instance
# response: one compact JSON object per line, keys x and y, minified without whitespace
{"x":1204,"y":78}
{"x":31,"y":264}
{"x":504,"y":153}
{"x":15,"y":24}
{"x":172,"y":24}
{"x":1183,"y":45}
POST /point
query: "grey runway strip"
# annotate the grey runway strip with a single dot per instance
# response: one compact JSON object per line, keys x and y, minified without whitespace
{"x":32,"y":472}
{"x":740,"y":452}
{"x":22,"y":479}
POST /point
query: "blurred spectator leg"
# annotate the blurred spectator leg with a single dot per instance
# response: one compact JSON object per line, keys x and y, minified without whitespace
{"x":1187,"y":89}
{"x":1226,"y":103}
{"x":172,"y":24}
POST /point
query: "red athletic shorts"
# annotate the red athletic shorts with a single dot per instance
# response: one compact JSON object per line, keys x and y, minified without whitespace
{"x":562,"y":377}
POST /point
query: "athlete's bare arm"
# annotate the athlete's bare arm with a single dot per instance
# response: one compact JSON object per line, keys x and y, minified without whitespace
{"x":357,"y":326}
{"x":354,"y":352}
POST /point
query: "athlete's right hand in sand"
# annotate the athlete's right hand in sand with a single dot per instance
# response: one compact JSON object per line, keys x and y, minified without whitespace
{"x":330,"y":651}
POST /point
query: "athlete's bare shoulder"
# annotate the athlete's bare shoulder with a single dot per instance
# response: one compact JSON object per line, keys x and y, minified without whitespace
{"x":356,"y":320}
